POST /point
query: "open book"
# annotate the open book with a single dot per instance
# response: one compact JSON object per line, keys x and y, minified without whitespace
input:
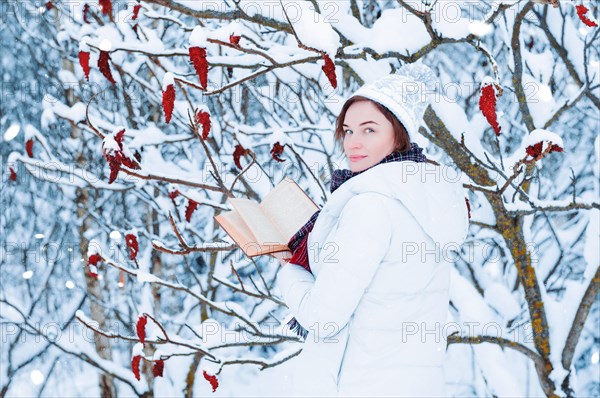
{"x":267,"y":227}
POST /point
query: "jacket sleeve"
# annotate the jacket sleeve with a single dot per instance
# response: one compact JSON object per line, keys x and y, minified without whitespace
{"x":362,"y":239}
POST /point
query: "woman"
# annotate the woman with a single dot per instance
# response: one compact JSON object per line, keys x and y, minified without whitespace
{"x":369,"y":274}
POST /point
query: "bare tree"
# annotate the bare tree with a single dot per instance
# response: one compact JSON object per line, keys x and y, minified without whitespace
{"x":194,"y":103}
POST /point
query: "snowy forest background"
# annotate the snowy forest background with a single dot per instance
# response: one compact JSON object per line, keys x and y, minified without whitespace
{"x":108,"y":238}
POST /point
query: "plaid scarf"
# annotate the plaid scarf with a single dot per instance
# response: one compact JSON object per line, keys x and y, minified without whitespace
{"x":298,"y":242}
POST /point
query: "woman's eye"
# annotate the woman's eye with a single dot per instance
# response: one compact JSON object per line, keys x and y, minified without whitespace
{"x":367,"y":129}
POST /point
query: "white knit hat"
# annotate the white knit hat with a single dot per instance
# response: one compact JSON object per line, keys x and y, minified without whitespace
{"x":405,"y":93}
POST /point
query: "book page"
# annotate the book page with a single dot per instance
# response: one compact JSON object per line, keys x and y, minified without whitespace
{"x":241,"y":234}
{"x":261,"y":227}
{"x":235,"y":227}
{"x":288,"y":208}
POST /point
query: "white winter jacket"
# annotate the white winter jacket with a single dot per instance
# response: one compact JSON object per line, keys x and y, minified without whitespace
{"x":375,"y":309}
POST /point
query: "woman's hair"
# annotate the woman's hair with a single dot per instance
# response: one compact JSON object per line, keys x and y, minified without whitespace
{"x":401,"y":138}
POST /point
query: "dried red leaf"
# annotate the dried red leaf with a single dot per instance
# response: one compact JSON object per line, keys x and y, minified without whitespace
{"x":158,"y":367}
{"x":94,"y":259}
{"x":93,"y":265}
{"x":487,"y":105}
{"x":140,"y":327}
{"x":135,"y":365}
{"x":235,"y":40}
{"x":530,"y":43}
{"x":132,"y":244}
{"x":329,"y":70}
{"x":120,"y":137}
{"x":136,"y":11}
{"x":203,"y":118}
{"x":49,"y":5}
{"x":29,"y":147}
{"x":214,"y":383}
{"x":237,"y":153}
{"x":189,"y":210}
{"x":114,"y":166}
{"x":92,"y":273}
{"x":86,"y":9}
{"x":468,"y":207}
{"x":173,"y":194}
{"x":104,"y":66}
{"x":198,"y":58}
{"x":84,"y":61}
{"x":106,"y":6}
{"x":168,"y":102}
{"x":581,"y":11}
{"x":13,"y":174}
{"x":535,"y":150}
{"x":276,"y":151}
{"x":116,"y":158}
{"x":135,"y":28}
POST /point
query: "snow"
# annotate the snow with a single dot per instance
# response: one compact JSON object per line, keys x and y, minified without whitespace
{"x":279,"y":135}
{"x":62,"y":37}
{"x":543,"y":136}
{"x":94,"y":247}
{"x":150,"y":43}
{"x":66,"y":76}
{"x":480,"y":28}
{"x":105,"y":45}
{"x":234,"y":27}
{"x":75,"y":113}
{"x":83,"y":44}
{"x":46,"y":203}
{"x":41,"y":171}
{"x":562,"y":312}
{"x":502,"y":300}
{"x":591,"y":252}
{"x":383,"y":36}
{"x":540,"y":64}
{"x":146,"y":277}
{"x":452,"y":27}
{"x":539,"y":100}
{"x":313,"y":30}
{"x":47,"y":118}
{"x":568,"y":35}
{"x":124,"y":21}
{"x":11,"y":314}
{"x":478,"y":319}
{"x":487,"y":80}
{"x":198,"y":37}
{"x":168,"y":80}
{"x":12,"y":132}
{"x":138,"y":349}
{"x":109,"y":144}
{"x":30,"y":132}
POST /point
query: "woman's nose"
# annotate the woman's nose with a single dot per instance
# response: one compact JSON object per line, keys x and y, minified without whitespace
{"x":354,"y":141}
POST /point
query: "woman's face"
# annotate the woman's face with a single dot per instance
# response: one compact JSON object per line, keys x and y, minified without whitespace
{"x":368,"y":135}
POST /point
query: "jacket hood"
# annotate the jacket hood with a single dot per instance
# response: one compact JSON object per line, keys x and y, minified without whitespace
{"x":433,"y":194}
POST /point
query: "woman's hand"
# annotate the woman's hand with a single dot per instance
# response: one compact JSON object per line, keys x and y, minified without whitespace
{"x":283,"y":257}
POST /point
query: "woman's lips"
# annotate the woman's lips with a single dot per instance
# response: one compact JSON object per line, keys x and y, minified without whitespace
{"x":356,"y":158}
